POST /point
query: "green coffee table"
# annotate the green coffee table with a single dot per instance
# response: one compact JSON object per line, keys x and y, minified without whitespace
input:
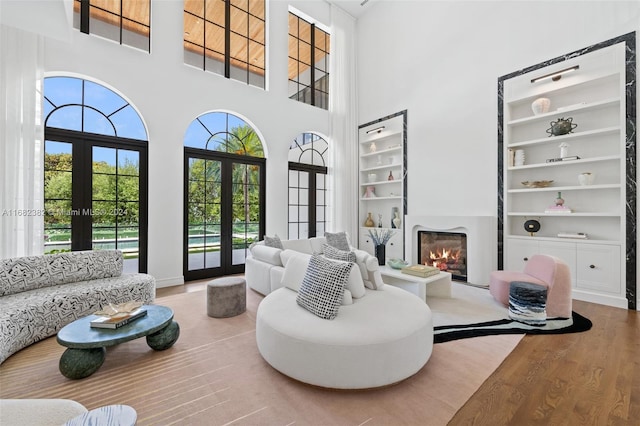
{"x":86,"y":346}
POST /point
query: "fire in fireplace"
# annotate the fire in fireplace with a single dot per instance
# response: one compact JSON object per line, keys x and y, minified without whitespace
{"x":444,"y":250}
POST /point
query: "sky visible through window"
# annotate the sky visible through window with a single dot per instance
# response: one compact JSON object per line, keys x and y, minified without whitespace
{"x":84,"y":106}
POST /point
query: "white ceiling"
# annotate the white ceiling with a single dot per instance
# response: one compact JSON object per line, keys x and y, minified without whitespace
{"x":355,"y":8}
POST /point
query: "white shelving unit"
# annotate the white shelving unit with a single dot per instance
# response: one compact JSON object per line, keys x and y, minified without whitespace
{"x":382,"y":170}
{"x":593,"y":96}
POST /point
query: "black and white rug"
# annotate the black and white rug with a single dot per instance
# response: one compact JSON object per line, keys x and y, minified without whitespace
{"x":473,"y":312}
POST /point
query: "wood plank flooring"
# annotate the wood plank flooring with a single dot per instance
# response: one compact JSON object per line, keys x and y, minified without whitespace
{"x":590,"y":378}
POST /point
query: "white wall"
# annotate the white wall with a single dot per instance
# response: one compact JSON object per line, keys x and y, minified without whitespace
{"x":169,"y":95}
{"x":441,"y":61}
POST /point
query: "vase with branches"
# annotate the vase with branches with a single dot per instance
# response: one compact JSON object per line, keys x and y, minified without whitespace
{"x":380,"y":238}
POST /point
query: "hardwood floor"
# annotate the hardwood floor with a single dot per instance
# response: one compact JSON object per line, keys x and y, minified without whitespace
{"x":590,"y":378}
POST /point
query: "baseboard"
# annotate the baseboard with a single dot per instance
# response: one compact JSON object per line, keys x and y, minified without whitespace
{"x":169,"y":282}
{"x":602,"y":299}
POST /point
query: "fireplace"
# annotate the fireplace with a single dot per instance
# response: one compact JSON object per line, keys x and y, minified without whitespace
{"x":446,"y":251}
{"x":481,"y":241}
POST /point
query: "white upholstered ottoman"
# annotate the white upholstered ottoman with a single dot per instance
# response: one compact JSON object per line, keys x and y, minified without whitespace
{"x":380,"y":339}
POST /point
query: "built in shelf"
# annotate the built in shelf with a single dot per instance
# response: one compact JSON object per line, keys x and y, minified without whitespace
{"x":566,"y":163}
{"x":554,"y":114}
{"x":382,"y":182}
{"x":566,"y":188}
{"x":382,"y":151}
{"x":578,"y":214}
{"x":553,"y":139}
{"x":591,"y":81}
{"x":394,"y":197}
{"x":370,"y":169}
{"x":564,"y":240}
{"x":380,"y":137}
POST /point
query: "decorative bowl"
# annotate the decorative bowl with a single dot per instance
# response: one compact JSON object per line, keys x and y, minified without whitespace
{"x":537,"y":183}
{"x":397,"y":263}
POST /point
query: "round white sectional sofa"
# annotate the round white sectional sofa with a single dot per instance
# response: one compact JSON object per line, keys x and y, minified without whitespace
{"x":379,"y":339}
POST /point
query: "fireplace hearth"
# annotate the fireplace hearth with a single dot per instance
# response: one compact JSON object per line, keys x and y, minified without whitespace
{"x":446,"y":251}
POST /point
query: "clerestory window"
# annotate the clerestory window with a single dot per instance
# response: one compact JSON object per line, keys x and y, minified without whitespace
{"x":227,"y":38}
{"x":308,"y":62}
{"x":124,"y":21}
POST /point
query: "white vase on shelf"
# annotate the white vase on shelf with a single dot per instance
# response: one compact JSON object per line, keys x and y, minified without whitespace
{"x":586,"y":178}
{"x":541,"y":106}
{"x":519,"y":157}
{"x":396,"y":220}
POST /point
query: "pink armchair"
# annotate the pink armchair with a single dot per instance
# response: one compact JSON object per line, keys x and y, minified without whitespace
{"x":548,"y":271}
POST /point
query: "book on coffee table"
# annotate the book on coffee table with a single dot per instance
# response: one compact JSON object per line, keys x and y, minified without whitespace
{"x":422,"y":271}
{"x":118,"y":320}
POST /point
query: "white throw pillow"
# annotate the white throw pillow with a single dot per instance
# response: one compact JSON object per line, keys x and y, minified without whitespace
{"x":375,"y":278}
{"x":287,"y":254}
{"x":267,"y":254}
{"x":295,"y":269}
{"x":303,"y":246}
{"x":369,"y":269}
{"x":317,"y":243}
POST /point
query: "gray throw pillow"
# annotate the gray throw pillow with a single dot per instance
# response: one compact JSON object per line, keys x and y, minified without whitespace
{"x":323,"y":285}
{"x":331,"y":252}
{"x":338,"y":240}
{"x":273,"y":242}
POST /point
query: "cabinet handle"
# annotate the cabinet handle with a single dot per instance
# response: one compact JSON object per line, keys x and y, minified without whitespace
{"x":592,"y":266}
{"x":525,"y":259}
{"x":390,"y":244}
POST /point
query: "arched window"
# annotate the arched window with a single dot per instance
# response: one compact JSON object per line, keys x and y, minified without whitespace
{"x":224,"y":194}
{"x":307,"y":186}
{"x":95,"y":171}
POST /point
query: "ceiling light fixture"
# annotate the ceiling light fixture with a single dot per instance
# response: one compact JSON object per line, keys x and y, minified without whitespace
{"x":555,"y":76}
{"x":377,"y":130}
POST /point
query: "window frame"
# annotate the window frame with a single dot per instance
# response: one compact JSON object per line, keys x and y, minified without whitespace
{"x":231,"y":9}
{"x":316,"y":87}
{"x":85,"y":21}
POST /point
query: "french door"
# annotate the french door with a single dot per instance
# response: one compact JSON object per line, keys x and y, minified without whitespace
{"x":95,"y":195}
{"x":307,"y":200}
{"x":223,"y":211}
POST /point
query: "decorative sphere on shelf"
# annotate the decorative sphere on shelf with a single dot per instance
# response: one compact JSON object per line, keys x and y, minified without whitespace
{"x":541,"y":105}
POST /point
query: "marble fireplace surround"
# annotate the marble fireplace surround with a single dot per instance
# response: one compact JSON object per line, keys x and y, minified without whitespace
{"x":481,"y":241}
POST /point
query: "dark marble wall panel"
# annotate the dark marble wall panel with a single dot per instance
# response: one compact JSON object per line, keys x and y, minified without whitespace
{"x":631,"y":186}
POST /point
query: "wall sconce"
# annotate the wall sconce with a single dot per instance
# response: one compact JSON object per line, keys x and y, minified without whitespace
{"x":555,"y":76}
{"x":377,"y":130}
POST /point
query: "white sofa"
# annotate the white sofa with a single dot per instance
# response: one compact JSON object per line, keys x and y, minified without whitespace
{"x":379,"y":338}
{"x":264,"y":268}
